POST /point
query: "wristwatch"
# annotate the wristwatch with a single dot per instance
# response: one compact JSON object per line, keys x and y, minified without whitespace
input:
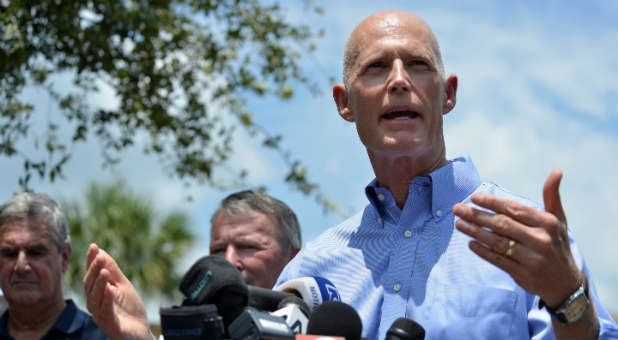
{"x":573,"y":308}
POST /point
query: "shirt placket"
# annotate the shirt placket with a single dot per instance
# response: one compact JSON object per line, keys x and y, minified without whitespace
{"x":400,"y":274}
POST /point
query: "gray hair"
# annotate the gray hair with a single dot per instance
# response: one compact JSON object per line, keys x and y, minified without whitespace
{"x":245,"y":202}
{"x":29,"y":205}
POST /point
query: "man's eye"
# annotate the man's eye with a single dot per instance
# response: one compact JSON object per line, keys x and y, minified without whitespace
{"x":376,"y":64}
{"x":9,"y":253}
{"x":36,"y":253}
{"x":420,"y":64}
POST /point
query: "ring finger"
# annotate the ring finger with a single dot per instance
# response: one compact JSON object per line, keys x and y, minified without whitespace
{"x":499,"y":244}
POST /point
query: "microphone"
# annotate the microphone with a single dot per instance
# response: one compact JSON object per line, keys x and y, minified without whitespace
{"x":266,"y":299}
{"x":405,"y":329}
{"x":213,"y":280}
{"x":313,"y":290}
{"x":215,"y":295}
{"x":252,"y":324}
{"x":291,"y":317}
{"x":335,"y":318}
{"x":191,"y":322}
{"x":295,"y":312}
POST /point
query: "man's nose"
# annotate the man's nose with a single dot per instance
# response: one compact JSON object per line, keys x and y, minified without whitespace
{"x":399,"y":79}
{"x":231,"y":256}
{"x":22,"y":264}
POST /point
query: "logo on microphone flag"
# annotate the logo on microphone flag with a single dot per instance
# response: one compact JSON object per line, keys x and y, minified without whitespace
{"x":327,"y":289}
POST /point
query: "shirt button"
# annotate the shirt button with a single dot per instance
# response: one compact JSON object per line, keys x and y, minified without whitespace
{"x":381,"y":197}
{"x":397,"y":287}
{"x":407,"y":234}
{"x":379,"y":220}
{"x":438,"y":213}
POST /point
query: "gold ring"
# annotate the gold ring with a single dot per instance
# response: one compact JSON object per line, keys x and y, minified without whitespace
{"x":509,"y":251}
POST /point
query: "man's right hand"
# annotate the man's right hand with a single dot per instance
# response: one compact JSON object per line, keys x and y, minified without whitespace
{"x":112,"y":300}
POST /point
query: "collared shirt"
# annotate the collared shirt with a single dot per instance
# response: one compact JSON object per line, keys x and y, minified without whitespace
{"x":388,"y":263}
{"x":72,"y":324}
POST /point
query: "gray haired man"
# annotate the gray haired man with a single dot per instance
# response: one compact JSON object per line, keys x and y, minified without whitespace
{"x":257,"y":233}
{"x":35,"y":250}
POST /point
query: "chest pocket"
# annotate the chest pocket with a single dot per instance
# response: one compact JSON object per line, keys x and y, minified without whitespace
{"x":471,"y":312}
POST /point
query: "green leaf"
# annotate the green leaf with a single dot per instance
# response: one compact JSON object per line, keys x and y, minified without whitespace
{"x":177,"y":71}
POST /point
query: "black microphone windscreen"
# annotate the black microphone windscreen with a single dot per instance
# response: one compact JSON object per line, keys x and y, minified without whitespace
{"x":295,"y":300}
{"x":213,"y":280}
{"x":205,"y":279}
{"x":405,"y":329}
{"x":335,"y":318}
{"x":266,"y":299}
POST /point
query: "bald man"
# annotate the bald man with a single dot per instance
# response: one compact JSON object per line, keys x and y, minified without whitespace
{"x":464,"y":258}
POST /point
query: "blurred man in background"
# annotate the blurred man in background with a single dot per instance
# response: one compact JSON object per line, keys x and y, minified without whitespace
{"x":257,"y":233}
{"x":35,"y":250}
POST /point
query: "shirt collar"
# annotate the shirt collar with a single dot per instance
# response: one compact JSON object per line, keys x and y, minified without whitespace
{"x":70,"y":320}
{"x":4,"y":330}
{"x":450,"y":184}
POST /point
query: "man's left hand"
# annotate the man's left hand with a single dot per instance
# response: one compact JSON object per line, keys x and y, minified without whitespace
{"x":529,"y":244}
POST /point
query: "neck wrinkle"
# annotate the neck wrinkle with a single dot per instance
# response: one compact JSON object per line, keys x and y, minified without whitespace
{"x":396,"y":173}
{"x":41,"y":317}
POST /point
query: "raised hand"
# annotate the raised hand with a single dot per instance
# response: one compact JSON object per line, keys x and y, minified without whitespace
{"x":529,"y":244}
{"x":112,"y":300}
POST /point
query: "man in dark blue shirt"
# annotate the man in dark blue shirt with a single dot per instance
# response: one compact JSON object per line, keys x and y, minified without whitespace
{"x":35,"y":251}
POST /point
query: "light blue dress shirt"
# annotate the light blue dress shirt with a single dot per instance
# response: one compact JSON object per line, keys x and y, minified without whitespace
{"x":389,"y":263}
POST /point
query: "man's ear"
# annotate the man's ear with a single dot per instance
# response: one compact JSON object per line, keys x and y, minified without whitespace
{"x":450,"y":93}
{"x":66,"y":257}
{"x":340,"y":95}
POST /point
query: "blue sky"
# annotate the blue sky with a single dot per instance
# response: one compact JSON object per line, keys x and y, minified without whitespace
{"x":537,"y":91}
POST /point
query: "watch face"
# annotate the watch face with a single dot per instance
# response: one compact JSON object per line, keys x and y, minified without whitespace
{"x":577,"y":308}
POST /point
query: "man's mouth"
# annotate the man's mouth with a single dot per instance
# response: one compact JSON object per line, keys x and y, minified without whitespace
{"x":401,"y":115}
{"x":23,"y":282}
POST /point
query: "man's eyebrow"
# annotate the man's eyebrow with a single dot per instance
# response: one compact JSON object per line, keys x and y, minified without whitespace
{"x":251,"y":236}
{"x":217,"y":243}
{"x":37,"y":246}
{"x":376,"y":54}
{"x":8,"y":244}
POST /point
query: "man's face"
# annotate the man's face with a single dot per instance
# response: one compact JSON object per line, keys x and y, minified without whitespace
{"x":396,"y":93}
{"x":250,"y":243}
{"x":31,"y":265}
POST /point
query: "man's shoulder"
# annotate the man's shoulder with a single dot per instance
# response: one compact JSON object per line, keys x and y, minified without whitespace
{"x":75,"y":323}
{"x":4,"y":332}
{"x":317,"y":255}
{"x":339,"y":235}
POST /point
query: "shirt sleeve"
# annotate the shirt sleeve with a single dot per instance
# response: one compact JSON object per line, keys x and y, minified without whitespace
{"x":607,"y":325}
{"x":539,"y":320}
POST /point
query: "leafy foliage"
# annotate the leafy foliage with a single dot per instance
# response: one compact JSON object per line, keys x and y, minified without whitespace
{"x":127,"y":226}
{"x":181,"y":71}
